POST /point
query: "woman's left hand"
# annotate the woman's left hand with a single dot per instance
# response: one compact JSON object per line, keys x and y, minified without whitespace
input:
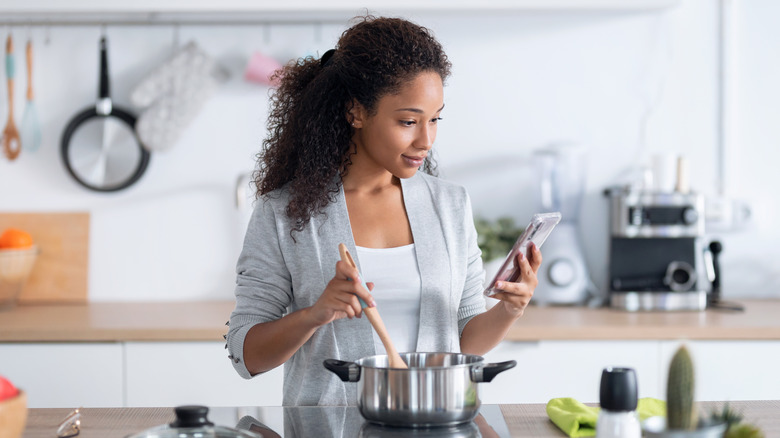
{"x":516,"y":296}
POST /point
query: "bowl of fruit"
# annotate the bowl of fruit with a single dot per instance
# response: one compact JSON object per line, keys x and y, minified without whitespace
{"x":18,"y":253}
{"x":13,"y":410}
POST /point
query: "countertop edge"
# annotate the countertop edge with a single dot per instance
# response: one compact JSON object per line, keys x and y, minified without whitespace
{"x":205,"y":321}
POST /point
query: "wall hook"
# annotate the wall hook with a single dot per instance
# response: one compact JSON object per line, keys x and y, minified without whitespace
{"x":47,"y":34}
{"x":176,"y":39}
{"x":267,"y":33}
{"x":318,"y":33}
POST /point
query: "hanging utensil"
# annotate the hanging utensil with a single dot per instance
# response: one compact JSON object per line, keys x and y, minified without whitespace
{"x":99,"y":147}
{"x":376,"y":320}
{"x":173,"y":95}
{"x":12,"y":145}
{"x":31,"y":127}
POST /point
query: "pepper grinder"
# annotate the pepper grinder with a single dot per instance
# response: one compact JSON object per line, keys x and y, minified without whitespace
{"x":618,"y":397}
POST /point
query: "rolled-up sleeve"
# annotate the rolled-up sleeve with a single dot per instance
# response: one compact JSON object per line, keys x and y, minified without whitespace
{"x":472,"y":301}
{"x":263,"y":283}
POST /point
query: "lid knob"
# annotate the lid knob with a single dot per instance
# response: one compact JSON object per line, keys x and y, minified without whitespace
{"x":191,"y":416}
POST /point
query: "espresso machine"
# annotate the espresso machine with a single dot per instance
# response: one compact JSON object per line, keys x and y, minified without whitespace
{"x":658,"y":256}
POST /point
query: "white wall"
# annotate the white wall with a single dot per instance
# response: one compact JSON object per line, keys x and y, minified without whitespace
{"x":520,"y":81}
{"x":752,"y":255}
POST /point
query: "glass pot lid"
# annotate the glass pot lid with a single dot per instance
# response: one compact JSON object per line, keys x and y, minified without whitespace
{"x":192,"y":422}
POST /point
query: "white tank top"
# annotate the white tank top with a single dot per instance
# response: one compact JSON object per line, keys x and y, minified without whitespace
{"x":397,"y":290}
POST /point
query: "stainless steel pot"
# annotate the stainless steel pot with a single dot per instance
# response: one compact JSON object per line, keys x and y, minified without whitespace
{"x":438,"y":389}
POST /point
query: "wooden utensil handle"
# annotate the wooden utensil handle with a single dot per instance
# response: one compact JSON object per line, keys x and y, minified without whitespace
{"x":29,"y":71}
{"x":9,"y":72}
{"x":346,"y":258}
{"x":376,"y":321}
{"x":379,"y":326}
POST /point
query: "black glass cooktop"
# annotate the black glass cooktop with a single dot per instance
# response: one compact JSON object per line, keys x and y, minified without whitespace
{"x":346,"y":422}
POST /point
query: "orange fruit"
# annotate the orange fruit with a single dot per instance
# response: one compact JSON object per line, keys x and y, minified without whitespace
{"x":13,"y":238}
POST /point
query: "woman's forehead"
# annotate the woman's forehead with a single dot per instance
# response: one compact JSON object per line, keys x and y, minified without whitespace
{"x":422,"y":93}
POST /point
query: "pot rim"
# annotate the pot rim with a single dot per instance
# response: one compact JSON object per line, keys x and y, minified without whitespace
{"x":478,"y":360}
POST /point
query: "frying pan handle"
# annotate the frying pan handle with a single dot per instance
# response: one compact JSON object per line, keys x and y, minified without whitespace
{"x":347,"y":371}
{"x":105,"y":87}
{"x":487,"y":372}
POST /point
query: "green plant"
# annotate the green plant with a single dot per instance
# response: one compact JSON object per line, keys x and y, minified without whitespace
{"x":736,"y":428}
{"x":495,"y":238}
{"x":744,"y":430}
{"x":680,"y":409}
{"x":726,"y":415}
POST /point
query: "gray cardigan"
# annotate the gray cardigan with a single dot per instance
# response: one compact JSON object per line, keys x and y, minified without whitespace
{"x":277,"y":275}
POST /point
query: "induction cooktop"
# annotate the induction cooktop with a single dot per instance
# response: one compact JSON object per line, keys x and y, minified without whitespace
{"x":346,"y":422}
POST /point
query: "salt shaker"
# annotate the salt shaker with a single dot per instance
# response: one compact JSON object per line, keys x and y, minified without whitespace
{"x":618,"y":397}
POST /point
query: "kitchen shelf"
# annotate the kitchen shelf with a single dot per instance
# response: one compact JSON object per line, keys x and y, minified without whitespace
{"x":82,"y":12}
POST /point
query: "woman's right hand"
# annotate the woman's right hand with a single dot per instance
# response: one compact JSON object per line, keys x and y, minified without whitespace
{"x":340,"y":297}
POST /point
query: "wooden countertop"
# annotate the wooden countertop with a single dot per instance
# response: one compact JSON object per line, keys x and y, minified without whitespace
{"x":758,"y":321}
{"x":521,"y":420}
{"x":205,"y":321}
{"x":96,"y":322}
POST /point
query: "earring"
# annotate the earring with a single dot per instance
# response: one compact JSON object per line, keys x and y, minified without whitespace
{"x":353,"y":124}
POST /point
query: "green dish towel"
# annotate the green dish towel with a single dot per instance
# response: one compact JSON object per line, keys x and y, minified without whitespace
{"x":576,"y":420}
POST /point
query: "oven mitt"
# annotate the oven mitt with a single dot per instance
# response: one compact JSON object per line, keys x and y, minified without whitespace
{"x":577,"y":420}
{"x":173,"y":94}
{"x":261,"y":68}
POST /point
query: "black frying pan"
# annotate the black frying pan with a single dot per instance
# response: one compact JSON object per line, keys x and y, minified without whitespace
{"x":99,"y":147}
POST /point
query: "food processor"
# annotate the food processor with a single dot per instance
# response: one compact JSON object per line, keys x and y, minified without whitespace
{"x":560,"y":182}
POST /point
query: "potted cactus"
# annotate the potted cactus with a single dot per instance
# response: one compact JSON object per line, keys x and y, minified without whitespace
{"x":681,"y":415}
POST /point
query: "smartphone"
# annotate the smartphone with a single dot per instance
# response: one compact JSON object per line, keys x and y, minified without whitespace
{"x":538,"y":229}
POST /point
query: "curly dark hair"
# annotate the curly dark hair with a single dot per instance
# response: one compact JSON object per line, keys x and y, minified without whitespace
{"x":309,"y":141}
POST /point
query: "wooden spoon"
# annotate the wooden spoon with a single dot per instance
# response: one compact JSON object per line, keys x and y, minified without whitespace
{"x":12,"y":145}
{"x":30,"y":129}
{"x":376,"y":321}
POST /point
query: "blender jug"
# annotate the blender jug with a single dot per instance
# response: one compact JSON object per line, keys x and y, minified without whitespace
{"x":560,"y":183}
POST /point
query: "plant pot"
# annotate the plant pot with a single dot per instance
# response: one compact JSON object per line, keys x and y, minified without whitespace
{"x":655,"y":427}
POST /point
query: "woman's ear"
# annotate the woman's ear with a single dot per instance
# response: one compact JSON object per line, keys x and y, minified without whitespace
{"x":356,"y":114}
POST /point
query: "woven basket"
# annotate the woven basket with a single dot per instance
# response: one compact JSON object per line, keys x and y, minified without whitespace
{"x":15,"y":268}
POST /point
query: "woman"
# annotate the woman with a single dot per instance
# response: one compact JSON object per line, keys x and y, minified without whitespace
{"x":347,"y":135}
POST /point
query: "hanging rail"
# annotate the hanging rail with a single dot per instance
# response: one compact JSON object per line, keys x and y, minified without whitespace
{"x":152,"y":21}
{"x":197,"y":18}
{"x":292,"y":12}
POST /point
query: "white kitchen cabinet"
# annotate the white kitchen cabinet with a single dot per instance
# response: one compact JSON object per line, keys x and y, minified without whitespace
{"x":730,"y":370}
{"x":551,"y":369}
{"x":66,"y":375}
{"x":179,"y":373}
{"x":91,"y":374}
{"x":725,"y":370}
{"x":69,"y":375}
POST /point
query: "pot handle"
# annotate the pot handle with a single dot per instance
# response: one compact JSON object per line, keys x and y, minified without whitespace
{"x":347,"y":371}
{"x":487,"y":372}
